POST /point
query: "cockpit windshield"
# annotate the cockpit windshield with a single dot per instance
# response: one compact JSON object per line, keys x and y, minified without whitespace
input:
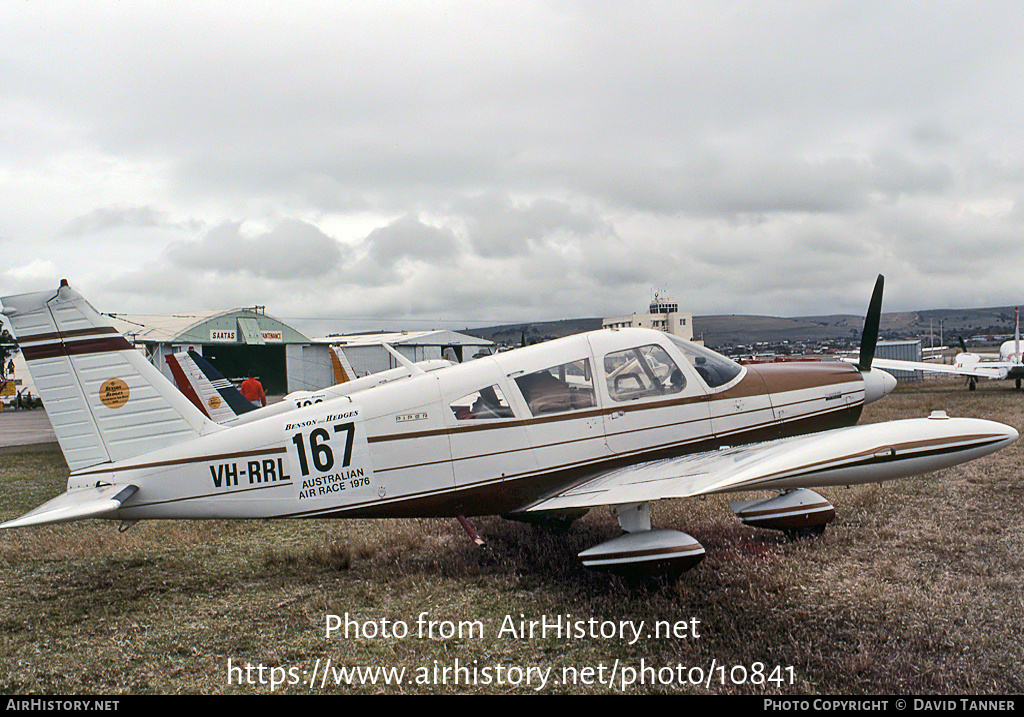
{"x":715,"y":370}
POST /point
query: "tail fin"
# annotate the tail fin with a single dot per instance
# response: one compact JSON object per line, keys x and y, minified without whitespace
{"x":343,"y":372}
{"x":105,"y":400}
{"x":207,"y":388}
{"x":1016,"y":335}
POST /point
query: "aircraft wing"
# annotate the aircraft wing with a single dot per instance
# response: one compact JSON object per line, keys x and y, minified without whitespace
{"x":844,"y":456}
{"x":984,"y":369}
{"x":78,"y":503}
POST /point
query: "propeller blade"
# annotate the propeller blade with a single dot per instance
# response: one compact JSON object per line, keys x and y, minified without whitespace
{"x":963,"y":346}
{"x":869,"y":338}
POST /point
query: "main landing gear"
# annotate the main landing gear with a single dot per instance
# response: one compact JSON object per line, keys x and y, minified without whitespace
{"x":643,"y":552}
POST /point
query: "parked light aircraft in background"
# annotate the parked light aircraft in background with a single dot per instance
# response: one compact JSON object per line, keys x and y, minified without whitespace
{"x":207,"y":388}
{"x":219,"y":400}
{"x":617,"y":418}
{"x":970,"y":365}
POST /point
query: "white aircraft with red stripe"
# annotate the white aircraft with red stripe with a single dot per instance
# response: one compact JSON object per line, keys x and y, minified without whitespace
{"x":615,"y":418}
{"x":207,"y":388}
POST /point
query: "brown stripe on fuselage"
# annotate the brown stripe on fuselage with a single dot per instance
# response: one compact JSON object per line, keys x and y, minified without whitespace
{"x":759,"y":380}
{"x":505,"y":495}
{"x":766,"y":430}
{"x":106,"y":467}
{"x":502,"y":495}
{"x":469,"y":426}
{"x":790,"y":377}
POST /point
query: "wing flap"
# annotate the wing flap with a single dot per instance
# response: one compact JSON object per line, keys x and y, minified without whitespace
{"x":93,"y":502}
{"x":844,"y":456}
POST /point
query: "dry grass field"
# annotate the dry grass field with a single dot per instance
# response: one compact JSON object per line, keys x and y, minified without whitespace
{"x":915,"y":588}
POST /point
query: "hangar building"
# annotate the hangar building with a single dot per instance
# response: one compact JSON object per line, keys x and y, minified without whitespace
{"x":236,"y":342}
{"x":902,"y":351}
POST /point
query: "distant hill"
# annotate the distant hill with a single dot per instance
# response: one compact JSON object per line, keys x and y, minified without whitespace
{"x":732,"y":329}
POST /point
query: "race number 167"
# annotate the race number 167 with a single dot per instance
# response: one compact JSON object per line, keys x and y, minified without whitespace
{"x":319,"y":449}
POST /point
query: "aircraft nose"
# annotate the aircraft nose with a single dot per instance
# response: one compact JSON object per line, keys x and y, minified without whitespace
{"x":877,"y":383}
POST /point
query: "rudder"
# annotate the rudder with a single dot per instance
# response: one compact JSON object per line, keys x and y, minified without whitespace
{"x":106,"y":402}
{"x":207,"y":388}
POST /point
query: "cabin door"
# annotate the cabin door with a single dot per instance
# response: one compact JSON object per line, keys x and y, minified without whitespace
{"x":653,"y":402}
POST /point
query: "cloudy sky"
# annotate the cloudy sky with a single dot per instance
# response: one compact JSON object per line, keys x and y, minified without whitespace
{"x":417,"y":164}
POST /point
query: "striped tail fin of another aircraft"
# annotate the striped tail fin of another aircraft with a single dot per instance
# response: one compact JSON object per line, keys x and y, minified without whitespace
{"x":207,"y":388}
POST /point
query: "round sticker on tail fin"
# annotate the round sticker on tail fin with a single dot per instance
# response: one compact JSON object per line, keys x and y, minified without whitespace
{"x":114,"y":393}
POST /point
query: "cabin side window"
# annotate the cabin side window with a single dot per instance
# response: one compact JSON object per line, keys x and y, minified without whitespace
{"x":569,"y":387}
{"x":486,"y":403}
{"x":714,"y":369}
{"x":641,"y":372}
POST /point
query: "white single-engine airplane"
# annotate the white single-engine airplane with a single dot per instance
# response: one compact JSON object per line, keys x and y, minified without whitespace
{"x":970,"y":365}
{"x":612,"y":417}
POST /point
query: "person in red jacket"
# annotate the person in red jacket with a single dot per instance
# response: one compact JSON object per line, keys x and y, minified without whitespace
{"x":252,"y":389}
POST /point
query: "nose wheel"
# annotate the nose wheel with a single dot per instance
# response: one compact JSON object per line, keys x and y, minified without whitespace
{"x":798,"y":513}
